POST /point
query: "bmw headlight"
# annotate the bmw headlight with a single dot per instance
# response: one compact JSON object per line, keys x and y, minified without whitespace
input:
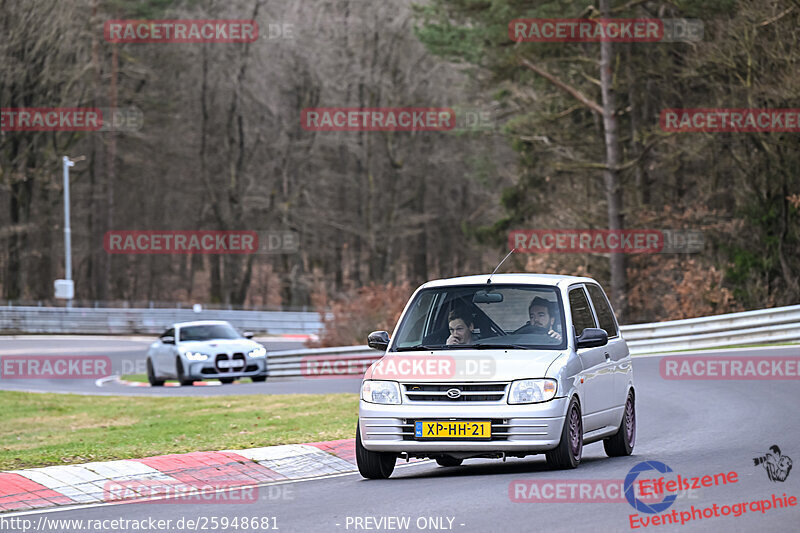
{"x":532,"y":390}
{"x":196,"y":356}
{"x":258,"y":352}
{"x":386,"y":392}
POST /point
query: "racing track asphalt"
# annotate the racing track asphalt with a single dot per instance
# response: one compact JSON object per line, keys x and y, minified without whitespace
{"x":127,"y":355}
{"x":695,"y":427}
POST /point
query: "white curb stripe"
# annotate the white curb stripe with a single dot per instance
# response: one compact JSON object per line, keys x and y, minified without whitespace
{"x":297,"y":460}
{"x":86,"y":483}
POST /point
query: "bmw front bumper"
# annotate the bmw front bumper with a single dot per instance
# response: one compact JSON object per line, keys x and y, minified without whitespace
{"x":215,"y":368}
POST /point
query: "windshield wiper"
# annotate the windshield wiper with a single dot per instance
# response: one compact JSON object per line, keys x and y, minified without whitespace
{"x":499,"y":346}
{"x":419,"y":347}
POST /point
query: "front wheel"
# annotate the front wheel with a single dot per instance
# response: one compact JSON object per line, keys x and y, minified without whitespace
{"x":621,"y":444}
{"x":373,"y":465}
{"x":569,"y":450}
{"x":182,"y":379}
{"x":151,"y":375}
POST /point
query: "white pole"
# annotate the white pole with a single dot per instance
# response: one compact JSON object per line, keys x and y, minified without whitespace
{"x":67,"y":230}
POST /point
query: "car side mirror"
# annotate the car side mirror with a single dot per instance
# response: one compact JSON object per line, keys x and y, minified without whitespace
{"x":168,"y":340}
{"x":248,"y":334}
{"x":378,"y":340}
{"x":592,"y":338}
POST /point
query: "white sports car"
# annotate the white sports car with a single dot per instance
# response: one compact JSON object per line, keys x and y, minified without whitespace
{"x":208,"y":349}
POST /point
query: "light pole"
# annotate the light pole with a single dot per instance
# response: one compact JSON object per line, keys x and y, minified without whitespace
{"x":65,"y":288}
{"x":67,"y":230}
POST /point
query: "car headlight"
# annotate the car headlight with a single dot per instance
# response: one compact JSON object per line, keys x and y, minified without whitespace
{"x":258,"y":352}
{"x":387,"y":392}
{"x":196,"y":356}
{"x":532,"y":390}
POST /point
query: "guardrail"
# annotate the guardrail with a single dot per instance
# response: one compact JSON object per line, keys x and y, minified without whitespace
{"x":88,"y":320}
{"x":765,"y":326}
{"x":346,"y":360}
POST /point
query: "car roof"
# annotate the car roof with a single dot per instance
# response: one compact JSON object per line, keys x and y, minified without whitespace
{"x":513,"y":278}
{"x":199,"y":323}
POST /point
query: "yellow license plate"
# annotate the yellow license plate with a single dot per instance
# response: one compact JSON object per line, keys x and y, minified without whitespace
{"x":446,"y":429}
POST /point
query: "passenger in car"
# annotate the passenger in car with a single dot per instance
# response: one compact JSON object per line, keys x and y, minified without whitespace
{"x":461,"y":327}
{"x":542,"y":319}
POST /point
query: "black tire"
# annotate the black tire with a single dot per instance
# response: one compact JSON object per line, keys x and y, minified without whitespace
{"x":226,"y":381}
{"x":373,"y":465}
{"x":259,"y":379}
{"x":621,"y":444}
{"x":151,"y":375}
{"x":182,"y":379}
{"x":449,"y":460}
{"x":569,"y":450}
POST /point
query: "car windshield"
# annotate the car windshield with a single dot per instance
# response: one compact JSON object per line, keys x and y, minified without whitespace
{"x":208,"y":332}
{"x":483,"y":316}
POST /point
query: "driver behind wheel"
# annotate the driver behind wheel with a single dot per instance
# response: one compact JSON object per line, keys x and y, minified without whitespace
{"x":461,"y":327}
{"x":541,"y":319}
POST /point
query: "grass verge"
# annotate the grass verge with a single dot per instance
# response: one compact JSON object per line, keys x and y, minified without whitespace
{"x":56,"y":429}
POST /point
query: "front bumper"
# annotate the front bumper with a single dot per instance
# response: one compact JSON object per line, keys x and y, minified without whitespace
{"x":208,"y":369}
{"x":516,"y":429}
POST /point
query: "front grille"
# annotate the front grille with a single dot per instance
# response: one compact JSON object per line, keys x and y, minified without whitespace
{"x":223,"y":363}
{"x":500,"y":429}
{"x":467,"y":392}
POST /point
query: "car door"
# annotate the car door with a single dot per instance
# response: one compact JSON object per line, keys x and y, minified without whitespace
{"x":165,"y":360}
{"x":597,"y":375}
{"x":617,"y":348}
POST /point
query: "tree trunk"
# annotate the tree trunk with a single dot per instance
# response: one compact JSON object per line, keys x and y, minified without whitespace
{"x":111,"y":170}
{"x":611,"y":174}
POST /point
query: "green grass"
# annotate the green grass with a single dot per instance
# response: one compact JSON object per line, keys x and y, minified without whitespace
{"x":56,"y":429}
{"x":141,"y":378}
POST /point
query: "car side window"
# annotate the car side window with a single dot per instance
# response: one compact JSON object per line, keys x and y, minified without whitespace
{"x":603,"y":310}
{"x":582,"y":317}
{"x":169,"y":333}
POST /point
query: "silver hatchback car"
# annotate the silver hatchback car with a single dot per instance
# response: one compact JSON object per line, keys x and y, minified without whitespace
{"x":520,"y":365}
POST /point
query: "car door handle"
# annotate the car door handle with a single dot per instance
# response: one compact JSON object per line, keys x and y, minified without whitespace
{"x":608,"y":356}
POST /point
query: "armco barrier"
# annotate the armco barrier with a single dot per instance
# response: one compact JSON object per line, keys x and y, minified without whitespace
{"x":764,"y":326}
{"x":289,"y":362}
{"x":93,"y":321}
